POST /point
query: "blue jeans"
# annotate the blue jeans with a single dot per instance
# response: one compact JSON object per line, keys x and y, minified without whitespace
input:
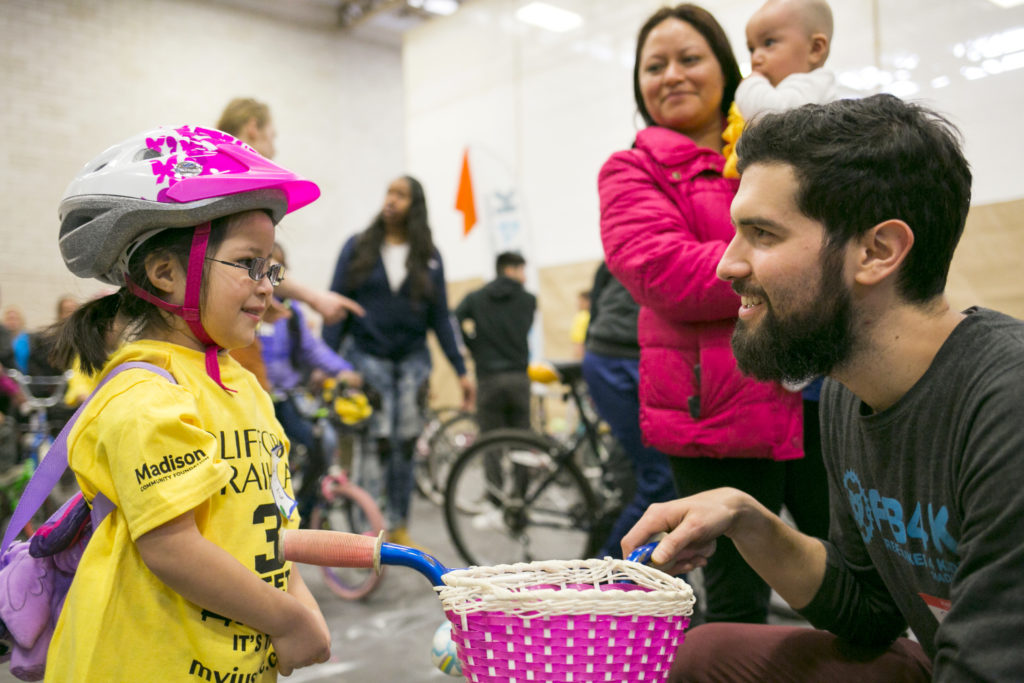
{"x":393,"y":428}
{"x":614,"y":385}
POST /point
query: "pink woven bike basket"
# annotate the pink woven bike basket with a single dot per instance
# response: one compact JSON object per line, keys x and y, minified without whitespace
{"x":558,"y":621}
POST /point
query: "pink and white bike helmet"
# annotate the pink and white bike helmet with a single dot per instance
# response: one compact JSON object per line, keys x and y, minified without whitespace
{"x":168,"y":178}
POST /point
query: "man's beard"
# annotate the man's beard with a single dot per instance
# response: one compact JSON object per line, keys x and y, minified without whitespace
{"x":805,"y":344}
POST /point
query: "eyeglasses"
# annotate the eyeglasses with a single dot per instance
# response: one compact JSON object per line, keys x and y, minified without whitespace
{"x":258,"y":269}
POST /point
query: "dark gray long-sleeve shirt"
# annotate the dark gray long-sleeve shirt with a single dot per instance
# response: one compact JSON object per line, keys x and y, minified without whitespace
{"x":928,"y":508}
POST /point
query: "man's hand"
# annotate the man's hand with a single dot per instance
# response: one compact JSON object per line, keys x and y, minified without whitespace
{"x":334,"y":307}
{"x":468,"y":392}
{"x":692,"y":525}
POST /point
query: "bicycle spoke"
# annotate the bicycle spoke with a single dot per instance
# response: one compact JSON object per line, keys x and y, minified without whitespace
{"x":512,"y":500}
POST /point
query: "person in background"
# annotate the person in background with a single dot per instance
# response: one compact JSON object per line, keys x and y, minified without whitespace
{"x":292,"y":354}
{"x":495,"y":322}
{"x":14,"y":323}
{"x":611,"y":369}
{"x":10,"y":396}
{"x":847,"y":217}
{"x":664,"y":225}
{"x":394,"y":271}
{"x":250,"y":121}
{"x":66,"y":305}
{"x":184,"y":567}
{"x":578,"y":328}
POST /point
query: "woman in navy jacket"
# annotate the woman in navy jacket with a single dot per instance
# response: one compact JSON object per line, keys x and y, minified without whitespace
{"x":393,"y":270}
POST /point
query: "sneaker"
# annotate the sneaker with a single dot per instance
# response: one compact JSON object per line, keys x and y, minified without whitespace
{"x":491,"y":519}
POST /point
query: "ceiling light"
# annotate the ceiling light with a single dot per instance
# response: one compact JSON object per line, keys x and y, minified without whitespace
{"x":444,"y":7}
{"x":550,"y":17}
{"x":1007,"y":3}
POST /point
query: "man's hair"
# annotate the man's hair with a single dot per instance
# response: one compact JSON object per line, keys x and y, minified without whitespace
{"x":238,"y":112}
{"x":508,"y":259}
{"x":861,"y":162}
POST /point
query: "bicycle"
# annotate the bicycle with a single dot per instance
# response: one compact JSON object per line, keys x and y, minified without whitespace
{"x":448,"y":432}
{"x":341,"y":504}
{"x":516,"y":495}
{"x":41,"y":393}
{"x":580,"y":620}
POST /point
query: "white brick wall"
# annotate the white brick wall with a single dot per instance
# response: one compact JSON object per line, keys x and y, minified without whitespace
{"x":79,"y":75}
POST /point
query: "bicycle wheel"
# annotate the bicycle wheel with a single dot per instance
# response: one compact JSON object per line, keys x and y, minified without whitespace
{"x":443,"y":445}
{"x":515,"y":496}
{"x":347,"y":506}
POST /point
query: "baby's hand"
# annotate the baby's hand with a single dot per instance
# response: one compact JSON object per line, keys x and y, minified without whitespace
{"x":306,"y":641}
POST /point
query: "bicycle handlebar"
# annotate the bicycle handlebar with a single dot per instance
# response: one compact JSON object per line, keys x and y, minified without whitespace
{"x":58,"y":384}
{"x":342,"y":549}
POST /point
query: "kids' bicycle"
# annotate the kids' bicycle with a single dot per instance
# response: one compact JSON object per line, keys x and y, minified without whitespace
{"x":42,"y":393}
{"x":339,"y":416}
{"x":516,"y":495}
{"x":569,"y":620}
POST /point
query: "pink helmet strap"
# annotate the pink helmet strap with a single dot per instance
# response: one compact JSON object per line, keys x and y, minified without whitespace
{"x":189,"y":310}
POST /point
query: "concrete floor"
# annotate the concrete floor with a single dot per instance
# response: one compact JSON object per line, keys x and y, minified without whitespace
{"x":386,"y":637}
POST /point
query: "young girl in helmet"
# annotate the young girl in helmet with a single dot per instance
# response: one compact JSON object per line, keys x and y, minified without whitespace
{"x":183,"y":579}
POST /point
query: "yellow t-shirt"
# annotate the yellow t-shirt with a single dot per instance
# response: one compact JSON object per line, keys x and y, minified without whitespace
{"x":578,"y":329}
{"x":730,"y":136}
{"x":158,"y":450}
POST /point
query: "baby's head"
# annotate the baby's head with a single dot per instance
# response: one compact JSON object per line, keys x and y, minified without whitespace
{"x":789,"y":36}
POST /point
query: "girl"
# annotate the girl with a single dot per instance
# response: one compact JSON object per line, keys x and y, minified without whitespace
{"x":182,"y":579}
{"x":394,"y":271}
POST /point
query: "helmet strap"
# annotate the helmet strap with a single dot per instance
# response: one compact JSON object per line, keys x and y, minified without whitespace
{"x":189,"y":310}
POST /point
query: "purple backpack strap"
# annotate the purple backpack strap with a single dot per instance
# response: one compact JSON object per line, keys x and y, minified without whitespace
{"x":51,"y":467}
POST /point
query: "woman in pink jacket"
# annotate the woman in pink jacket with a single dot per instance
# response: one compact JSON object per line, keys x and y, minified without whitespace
{"x":665,"y":224}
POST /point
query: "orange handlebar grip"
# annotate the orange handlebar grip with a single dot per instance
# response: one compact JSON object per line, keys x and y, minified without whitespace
{"x":331,"y":548}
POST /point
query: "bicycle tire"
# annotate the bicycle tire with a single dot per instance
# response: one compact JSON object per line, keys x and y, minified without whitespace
{"x":445,"y":442}
{"x":517,"y":496}
{"x":341,"y":512}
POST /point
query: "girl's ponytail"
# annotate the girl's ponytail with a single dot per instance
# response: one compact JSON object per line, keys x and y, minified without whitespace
{"x":84,"y":334}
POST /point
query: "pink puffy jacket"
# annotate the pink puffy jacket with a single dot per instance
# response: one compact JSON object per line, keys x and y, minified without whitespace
{"x":665,"y":225}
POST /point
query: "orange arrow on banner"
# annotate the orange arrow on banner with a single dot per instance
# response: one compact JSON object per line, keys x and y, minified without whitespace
{"x":464,"y":199}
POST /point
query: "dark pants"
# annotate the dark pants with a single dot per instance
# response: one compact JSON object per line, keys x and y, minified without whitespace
{"x":734,"y":591}
{"x":503,"y":400}
{"x":300,"y":432}
{"x":614,"y":385}
{"x":740,"y":653}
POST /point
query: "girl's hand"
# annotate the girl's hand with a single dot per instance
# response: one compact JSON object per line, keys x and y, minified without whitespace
{"x":305,"y":641}
{"x":350,"y":379}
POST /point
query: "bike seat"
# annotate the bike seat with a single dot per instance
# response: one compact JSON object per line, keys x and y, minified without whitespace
{"x":555,"y":372}
{"x":570,"y":370}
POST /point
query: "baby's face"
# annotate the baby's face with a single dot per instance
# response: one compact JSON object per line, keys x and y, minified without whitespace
{"x":779,"y":42}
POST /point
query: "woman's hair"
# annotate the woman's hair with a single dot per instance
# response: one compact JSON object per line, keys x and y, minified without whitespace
{"x":239,"y":111}
{"x":706,"y":25}
{"x":421,"y":246}
{"x":84,"y":333}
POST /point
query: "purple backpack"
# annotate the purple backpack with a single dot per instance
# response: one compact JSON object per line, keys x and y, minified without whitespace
{"x":35,"y":575}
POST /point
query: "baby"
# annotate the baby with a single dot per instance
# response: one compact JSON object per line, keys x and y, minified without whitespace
{"x":789,"y":42}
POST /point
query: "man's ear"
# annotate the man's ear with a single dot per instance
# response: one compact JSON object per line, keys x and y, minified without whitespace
{"x":882,"y":250}
{"x":819,"y":50}
{"x":165,"y":273}
{"x":250,"y":131}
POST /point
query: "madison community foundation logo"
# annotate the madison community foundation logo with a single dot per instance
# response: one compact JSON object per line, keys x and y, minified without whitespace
{"x":169,"y":467}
